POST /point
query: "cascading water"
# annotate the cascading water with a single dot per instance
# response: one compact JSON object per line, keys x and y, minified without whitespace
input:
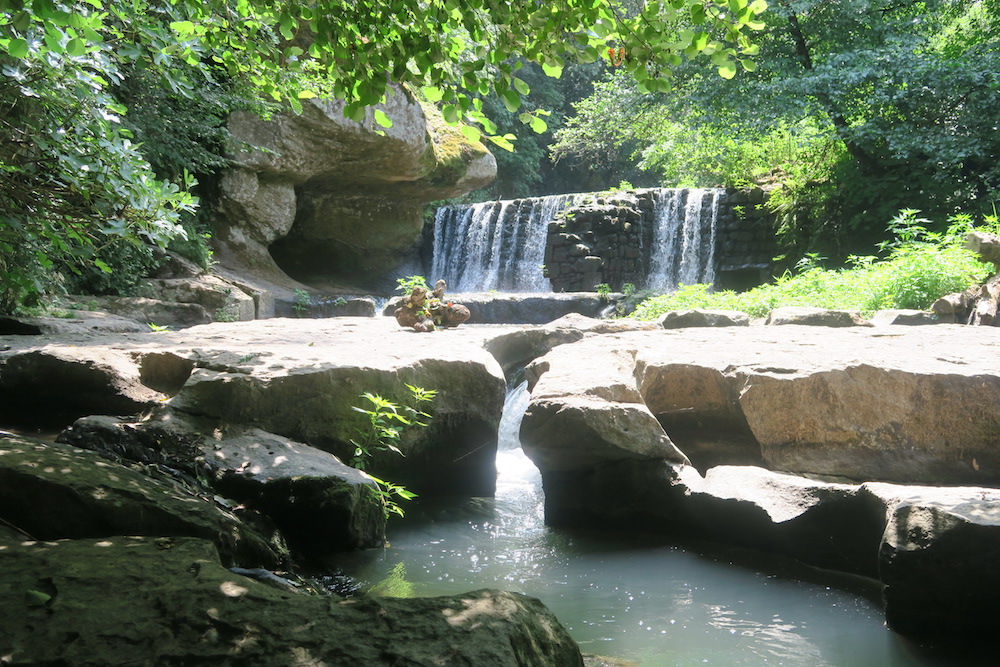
{"x":683,"y":250}
{"x":500,"y":245}
{"x":495,"y":245}
{"x":637,"y":597}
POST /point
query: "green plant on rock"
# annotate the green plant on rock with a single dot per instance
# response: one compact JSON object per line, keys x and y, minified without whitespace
{"x":406,"y":285}
{"x":603,"y":291}
{"x":301,"y":302}
{"x":386,"y":424}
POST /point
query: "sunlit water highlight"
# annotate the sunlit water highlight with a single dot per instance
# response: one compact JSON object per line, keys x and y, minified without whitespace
{"x":631,"y":597}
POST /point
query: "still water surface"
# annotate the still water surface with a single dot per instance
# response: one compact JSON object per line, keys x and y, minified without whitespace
{"x":631,"y":597}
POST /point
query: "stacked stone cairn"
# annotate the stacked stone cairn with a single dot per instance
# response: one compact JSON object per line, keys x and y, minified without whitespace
{"x":426,"y":311}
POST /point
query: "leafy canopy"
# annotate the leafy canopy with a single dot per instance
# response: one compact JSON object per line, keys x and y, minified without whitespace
{"x":858,"y":108}
{"x":74,"y":179}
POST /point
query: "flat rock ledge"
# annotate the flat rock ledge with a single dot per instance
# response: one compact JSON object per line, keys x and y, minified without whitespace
{"x":898,"y":404}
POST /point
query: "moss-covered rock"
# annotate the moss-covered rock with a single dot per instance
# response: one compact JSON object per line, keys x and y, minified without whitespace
{"x":52,"y":491}
{"x":168,"y":602}
{"x":333,"y":199}
{"x":320,"y":505}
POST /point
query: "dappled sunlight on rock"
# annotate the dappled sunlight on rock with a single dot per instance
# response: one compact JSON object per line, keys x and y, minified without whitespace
{"x":232,"y":590}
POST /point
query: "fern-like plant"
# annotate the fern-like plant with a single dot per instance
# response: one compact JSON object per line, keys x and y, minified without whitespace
{"x":386,"y":423}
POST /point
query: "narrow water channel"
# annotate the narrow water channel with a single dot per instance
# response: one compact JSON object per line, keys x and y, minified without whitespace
{"x":633,"y":597}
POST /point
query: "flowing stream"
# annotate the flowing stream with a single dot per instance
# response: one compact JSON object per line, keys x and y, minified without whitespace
{"x":638,"y":597}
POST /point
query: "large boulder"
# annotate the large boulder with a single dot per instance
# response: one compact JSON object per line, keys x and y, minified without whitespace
{"x":681,"y":319}
{"x":79,"y":321}
{"x":52,"y":491}
{"x":586,"y":414}
{"x":222,"y":300}
{"x":43,"y":382}
{"x":320,"y":505}
{"x":511,"y":308}
{"x":938,"y":560}
{"x":858,"y":403}
{"x":298,"y":379}
{"x":820,"y":317}
{"x":167,"y":601}
{"x":514,"y":350}
{"x":334,"y":199}
{"x":829,"y":525}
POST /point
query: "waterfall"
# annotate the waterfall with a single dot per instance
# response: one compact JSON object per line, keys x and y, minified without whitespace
{"x":500,"y":245}
{"x":519,"y":483}
{"x":497,"y":245}
{"x":683,"y":251}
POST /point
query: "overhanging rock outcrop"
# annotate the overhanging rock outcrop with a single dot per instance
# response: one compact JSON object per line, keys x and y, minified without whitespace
{"x":332,"y":199}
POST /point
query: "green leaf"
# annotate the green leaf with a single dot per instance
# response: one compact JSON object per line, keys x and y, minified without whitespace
{"x":76,"y":47}
{"x":520,"y":86}
{"x":505,"y":142}
{"x":748,"y":65}
{"x":727,"y":70}
{"x":554,"y":71}
{"x":472,"y":133}
{"x":382,"y":118}
{"x":102,"y":266}
{"x":539,"y":125}
{"x":511,"y":100}
{"x":182,"y":28}
{"x":451,"y":113}
{"x":18,"y":48}
{"x":432,"y":93}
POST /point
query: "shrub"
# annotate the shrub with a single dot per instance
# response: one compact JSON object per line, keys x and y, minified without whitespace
{"x":920,"y":268}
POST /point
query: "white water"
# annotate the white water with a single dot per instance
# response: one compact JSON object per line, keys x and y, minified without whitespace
{"x":639,"y":597}
{"x":683,"y":250}
{"x":500,"y":245}
{"x":494,"y":245}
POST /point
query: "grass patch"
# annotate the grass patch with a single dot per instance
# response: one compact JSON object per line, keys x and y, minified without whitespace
{"x":919,"y":268}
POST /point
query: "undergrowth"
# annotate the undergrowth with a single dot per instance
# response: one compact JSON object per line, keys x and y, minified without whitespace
{"x":918,"y":268}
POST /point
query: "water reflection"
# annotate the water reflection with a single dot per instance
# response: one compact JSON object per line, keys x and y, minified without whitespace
{"x":628,"y":596}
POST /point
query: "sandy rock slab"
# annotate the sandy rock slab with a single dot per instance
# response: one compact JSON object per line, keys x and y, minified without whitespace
{"x":296,"y":378}
{"x":907,"y":405}
{"x":168,"y":602}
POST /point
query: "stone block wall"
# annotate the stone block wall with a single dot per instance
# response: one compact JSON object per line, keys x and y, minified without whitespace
{"x":603,"y":241}
{"x":745,"y":244}
{"x":608,"y":240}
